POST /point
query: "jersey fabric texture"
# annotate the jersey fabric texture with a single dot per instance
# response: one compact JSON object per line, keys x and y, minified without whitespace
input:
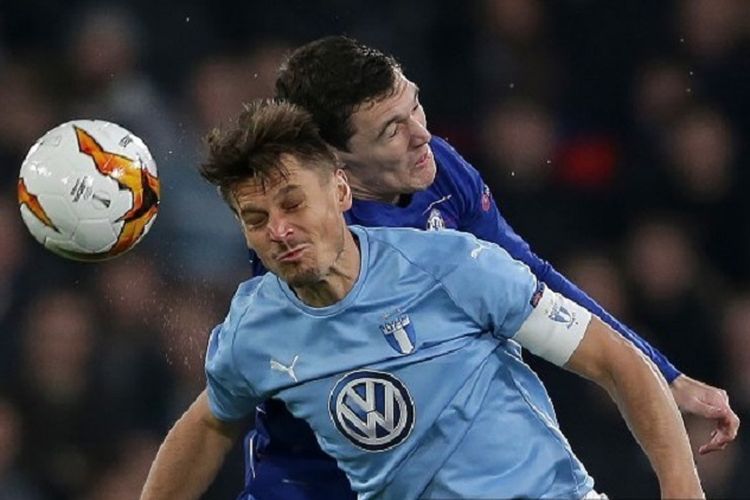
{"x":412,"y":381}
{"x":457,"y":199}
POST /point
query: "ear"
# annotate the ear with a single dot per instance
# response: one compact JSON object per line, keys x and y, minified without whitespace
{"x":343,"y":191}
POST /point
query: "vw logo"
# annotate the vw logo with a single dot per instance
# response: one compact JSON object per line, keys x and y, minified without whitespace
{"x":374,"y":410}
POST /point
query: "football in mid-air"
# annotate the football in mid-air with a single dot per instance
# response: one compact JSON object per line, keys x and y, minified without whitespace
{"x":88,"y":190}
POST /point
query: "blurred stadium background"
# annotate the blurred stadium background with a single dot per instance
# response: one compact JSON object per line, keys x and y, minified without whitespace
{"x":613,"y":135}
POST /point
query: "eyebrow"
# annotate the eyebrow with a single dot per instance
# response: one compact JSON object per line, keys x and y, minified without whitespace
{"x":287,"y":189}
{"x":248,"y":209}
{"x":397,"y":118}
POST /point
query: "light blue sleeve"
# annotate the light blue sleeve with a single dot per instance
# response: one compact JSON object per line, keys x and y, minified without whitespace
{"x":230,"y":396}
{"x":494,"y":289}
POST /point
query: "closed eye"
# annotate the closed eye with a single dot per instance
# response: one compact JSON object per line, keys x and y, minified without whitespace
{"x":392,"y":130}
{"x":255,"y":222}
{"x":293,"y":205}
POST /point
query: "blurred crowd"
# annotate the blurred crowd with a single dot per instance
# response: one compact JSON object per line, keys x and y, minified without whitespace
{"x":612,"y":134}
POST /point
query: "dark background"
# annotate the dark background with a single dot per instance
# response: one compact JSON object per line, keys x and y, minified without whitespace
{"x":613,"y":135}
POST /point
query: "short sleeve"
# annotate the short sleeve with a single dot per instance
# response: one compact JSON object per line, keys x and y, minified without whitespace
{"x":490,"y":286}
{"x":229,"y":396}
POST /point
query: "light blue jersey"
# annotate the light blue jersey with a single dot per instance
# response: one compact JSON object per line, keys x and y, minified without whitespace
{"x":411,"y":381}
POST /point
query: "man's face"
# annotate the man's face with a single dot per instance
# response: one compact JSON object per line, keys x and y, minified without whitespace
{"x":389,"y":154}
{"x":295,"y":224}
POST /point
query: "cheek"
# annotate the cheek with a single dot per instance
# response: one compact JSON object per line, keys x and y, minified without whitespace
{"x":421,"y":117}
{"x":394,"y":155}
{"x":253,"y":240}
{"x":245,"y":234}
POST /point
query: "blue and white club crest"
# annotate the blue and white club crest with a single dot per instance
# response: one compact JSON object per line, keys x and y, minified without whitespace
{"x":560,"y":314}
{"x":372,"y":409}
{"x":399,"y":332}
{"x":435,"y":220}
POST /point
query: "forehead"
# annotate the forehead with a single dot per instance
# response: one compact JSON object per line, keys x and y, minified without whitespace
{"x":378,"y":110}
{"x":291,"y":176}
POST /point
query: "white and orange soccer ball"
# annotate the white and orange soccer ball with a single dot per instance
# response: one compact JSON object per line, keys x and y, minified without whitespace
{"x":88,"y":190}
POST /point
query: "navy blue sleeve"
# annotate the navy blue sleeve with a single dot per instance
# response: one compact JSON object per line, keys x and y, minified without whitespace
{"x":258,"y":268}
{"x":482,"y":218}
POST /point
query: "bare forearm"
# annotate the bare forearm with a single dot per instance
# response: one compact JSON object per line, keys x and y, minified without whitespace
{"x":647,"y":405}
{"x":190,"y":456}
{"x":645,"y":402}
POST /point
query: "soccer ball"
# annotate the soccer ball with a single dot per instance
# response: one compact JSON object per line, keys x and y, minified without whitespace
{"x":88,"y":190}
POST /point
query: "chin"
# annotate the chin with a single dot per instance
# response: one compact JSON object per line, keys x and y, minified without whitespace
{"x":426,"y":177}
{"x":302,"y":278}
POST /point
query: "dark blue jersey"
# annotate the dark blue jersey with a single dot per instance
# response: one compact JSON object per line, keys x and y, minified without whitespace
{"x":457,"y":199}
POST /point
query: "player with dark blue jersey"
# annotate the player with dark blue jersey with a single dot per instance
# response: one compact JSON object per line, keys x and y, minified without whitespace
{"x":401,"y":176}
{"x":354,"y":330}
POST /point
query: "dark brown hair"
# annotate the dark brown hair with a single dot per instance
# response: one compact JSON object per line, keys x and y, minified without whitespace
{"x":264,"y":132}
{"x":331,"y":77}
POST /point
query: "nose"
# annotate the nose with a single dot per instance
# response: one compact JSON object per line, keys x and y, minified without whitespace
{"x":419,"y":133}
{"x":279,"y":229}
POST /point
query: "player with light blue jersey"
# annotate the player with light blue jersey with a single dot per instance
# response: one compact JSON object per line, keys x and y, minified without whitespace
{"x":409,"y":374}
{"x":411,"y":379}
{"x":459,"y":199}
{"x":358,"y":95}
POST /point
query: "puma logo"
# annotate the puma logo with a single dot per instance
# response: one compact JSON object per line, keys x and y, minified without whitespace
{"x":289,"y":370}
{"x":475,"y":253}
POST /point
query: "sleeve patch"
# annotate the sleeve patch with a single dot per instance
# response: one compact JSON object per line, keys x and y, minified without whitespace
{"x":554,"y":328}
{"x":486,"y":198}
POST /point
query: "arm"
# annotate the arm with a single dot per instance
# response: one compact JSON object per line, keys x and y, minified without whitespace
{"x":690,"y":395}
{"x":514,"y":305}
{"x":191,"y":455}
{"x":644,"y":401}
{"x":491,"y":226}
{"x":693,"y":396}
{"x":481,"y":216}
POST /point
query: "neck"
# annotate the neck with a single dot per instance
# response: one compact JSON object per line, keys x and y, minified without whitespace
{"x":339,"y":280}
{"x":362,"y":192}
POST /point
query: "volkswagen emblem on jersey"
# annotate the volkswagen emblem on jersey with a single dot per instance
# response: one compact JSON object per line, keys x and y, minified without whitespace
{"x":399,"y":333}
{"x":372,"y":409}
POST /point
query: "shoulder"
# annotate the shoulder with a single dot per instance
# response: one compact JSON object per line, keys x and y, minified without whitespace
{"x":444,"y":150}
{"x":247,"y":288}
{"x":246,"y":293}
{"x":220,"y":356}
{"x":436,"y":252}
{"x":241,"y":303}
{"x":456,"y":175}
{"x":473,"y":272}
{"x":451,"y":161}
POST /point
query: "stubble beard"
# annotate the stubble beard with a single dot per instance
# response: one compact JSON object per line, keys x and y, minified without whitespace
{"x":314,"y":274}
